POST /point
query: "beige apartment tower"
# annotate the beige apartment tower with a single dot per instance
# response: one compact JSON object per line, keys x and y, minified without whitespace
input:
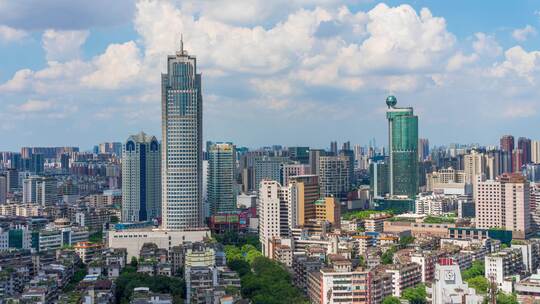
{"x":504,"y":203}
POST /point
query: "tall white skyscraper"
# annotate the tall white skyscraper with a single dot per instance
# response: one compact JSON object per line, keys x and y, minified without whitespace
{"x":181,"y":107}
{"x":141,"y":178}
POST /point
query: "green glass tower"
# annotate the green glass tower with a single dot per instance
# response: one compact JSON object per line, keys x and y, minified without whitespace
{"x":403,"y":149}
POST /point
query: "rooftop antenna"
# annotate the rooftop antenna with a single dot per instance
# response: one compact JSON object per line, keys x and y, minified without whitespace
{"x":182,"y":43}
{"x":181,"y":51}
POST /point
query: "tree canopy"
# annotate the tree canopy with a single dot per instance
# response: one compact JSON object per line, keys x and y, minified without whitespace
{"x":405,"y":241}
{"x":362,"y":214}
{"x":267,"y":277}
{"x":128,"y":280}
{"x":506,"y":298}
{"x":477,"y":269}
{"x":388,"y":256}
{"x":238,"y":239}
{"x":415,"y":295}
{"x":262,"y":277}
{"x":479,"y":283}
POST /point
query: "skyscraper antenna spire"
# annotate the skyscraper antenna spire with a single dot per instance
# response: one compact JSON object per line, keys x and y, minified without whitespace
{"x":182,"y":43}
{"x":181,"y":50}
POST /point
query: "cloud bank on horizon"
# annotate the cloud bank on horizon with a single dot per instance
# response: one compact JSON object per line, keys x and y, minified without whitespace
{"x":289,"y":72}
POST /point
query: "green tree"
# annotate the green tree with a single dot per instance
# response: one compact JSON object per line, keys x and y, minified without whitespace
{"x":247,"y":248}
{"x":252,"y":255}
{"x":96,"y":237}
{"x":266,"y":277}
{"x":362,"y":261}
{"x":127,"y":281}
{"x":234,"y":238}
{"x":134,"y":262}
{"x":388,"y":256}
{"x":477,"y":269}
{"x":479,"y":283}
{"x":505,"y":298}
{"x":80,"y":273}
{"x":391,"y":300}
{"x":233,"y":253}
{"x":415,"y":295}
{"x":405,"y":241}
{"x":240,"y":266}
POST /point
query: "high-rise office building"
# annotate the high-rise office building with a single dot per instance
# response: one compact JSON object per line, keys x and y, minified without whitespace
{"x":507,"y":143}
{"x":182,"y":155}
{"x":290,"y":170}
{"x":403,"y":149}
{"x":268,"y":167}
{"x":37,"y":163}
{"x":333,"y":147}
{"x":40,"y":190}
{"x":12,"y":179}
{"x":525,"y":145}
{"x":221,"y":178}
{"x":504,"y":203}
{"x":535,"y":151}
{"x":350,"y":155}
{"x":507,"y":151}
{"x":110,"y":147}
{"x":304,"y":191}
{"x":314,"y":156}
{"x":532,"y":172}
{"x":334,"y":175}
{"x":423,"y":149}
{"x":29,"y":190}
{"x":517,"y":160}
{"x":299,"y":154}
{"x":47,"y":191}
{"x":15,"y":161}
{"x":493,"y":164}
{"x":378,"y":176}
{"x":64,"y":162}
{"x":141,"y":178}
{"x":3,"y":188}
{"x":474,"y":164}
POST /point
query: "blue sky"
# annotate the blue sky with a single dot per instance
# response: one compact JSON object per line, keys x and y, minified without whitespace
{"x":274,"y":72}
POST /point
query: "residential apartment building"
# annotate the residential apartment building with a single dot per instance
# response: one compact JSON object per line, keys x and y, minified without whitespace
{"x":502,"y":264}
{"x":504,"y":203}
{"x":273,"y":213}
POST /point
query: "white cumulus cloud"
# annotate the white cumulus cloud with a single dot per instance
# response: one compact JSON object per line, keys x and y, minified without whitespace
{"x":519,"y":62}
{"x":486,"y":45}
{"x":522,"y":34}
{"x":11,"y":34}
{"x":63,"y":45}
{"x":119,"y":63}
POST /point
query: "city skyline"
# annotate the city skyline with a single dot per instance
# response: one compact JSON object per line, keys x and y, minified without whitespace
{"x":277,"y":85}
{"x":251,"y":200}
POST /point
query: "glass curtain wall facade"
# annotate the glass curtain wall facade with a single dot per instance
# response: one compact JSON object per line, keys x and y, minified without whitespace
{"x":221,"y":170}
{"x":403,"y":146}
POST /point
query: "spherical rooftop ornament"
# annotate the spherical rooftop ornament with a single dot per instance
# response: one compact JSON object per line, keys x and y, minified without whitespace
{"x":391,"y":101}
